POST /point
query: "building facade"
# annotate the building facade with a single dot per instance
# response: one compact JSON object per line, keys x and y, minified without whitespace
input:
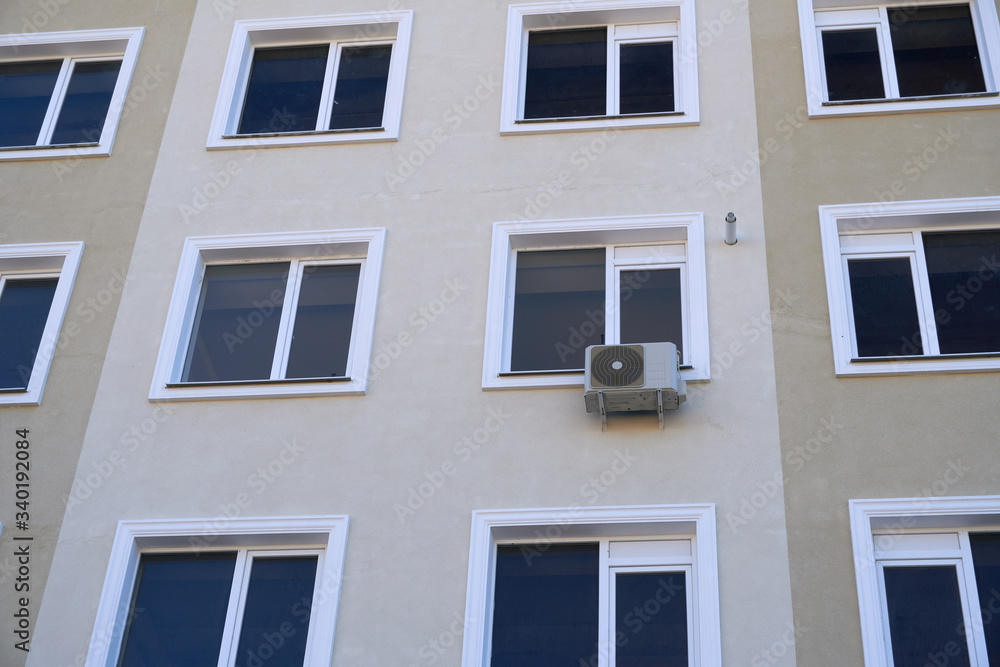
{"x":330,"y":409}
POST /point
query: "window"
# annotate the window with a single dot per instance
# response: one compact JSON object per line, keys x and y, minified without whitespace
{"x":313,"y":80}
{"x":214,"y":592}
{"x":630,"y":64}
{"x":558,"y":286}
{"x":928,"y":574}
{"x":913,"y":286}
{"x":271,"y":315}
{"x":891,"y":58}
{"x":61,"y":94}
{"x":35,"y":283}
{"x":589,"y":586}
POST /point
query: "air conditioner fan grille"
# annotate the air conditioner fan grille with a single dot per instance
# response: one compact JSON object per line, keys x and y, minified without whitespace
{"x":617,"y":366}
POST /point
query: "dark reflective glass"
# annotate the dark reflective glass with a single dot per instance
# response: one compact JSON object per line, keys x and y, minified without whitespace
{"x":236,"y":326}
{"x":86,"y":104}
{"x":24,"y":307}
{"x":558,"y":308}
{"x":935,"y":50}
{"x":324,"y":315}
{"x":650,"y":305}
{"x":359,"y":95}
{"x":925,"y":615}
{"x":651,"y":620}
{"x":284,"y":90}
{"x":567,"y":73}
{"x":986,"y":561}
{"x":25,"y":92}
{"x":853,"y":68}
{"x":545,"y":606}
{"x":178,"y":611}
{"x":962,"y":268}
{"x":276,"y":614}
{"x":646,"y":78}
{"x":885,"y":308}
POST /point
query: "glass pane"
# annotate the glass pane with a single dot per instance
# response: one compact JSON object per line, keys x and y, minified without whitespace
{"x":646,"y":83}
{"x":651,"y":620}
{"x":567,"y":73}
{"x":178,"y":611}
{"x":276,"y":615}
{"x":986,"y":559}
{"x":965,"y":289}
{"x":545,"y":606}
{"x":321,"y":338}
{"x":935,"y":51}
{"x":236,"y":326}
{"x":284,"y":89}
{"x":650,"y":304}
{"x":925,"y":615}
{"x":853,"y":68}
{"x":25,"y":92}
{"x":359,"y":96}
{"x":24,"y":308}
{"x":85,"y":106}
{"x":885,"y":308}
{"x":558,"y":308}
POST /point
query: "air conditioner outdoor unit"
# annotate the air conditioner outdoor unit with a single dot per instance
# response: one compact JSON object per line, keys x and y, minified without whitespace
{"x":625,"y":378}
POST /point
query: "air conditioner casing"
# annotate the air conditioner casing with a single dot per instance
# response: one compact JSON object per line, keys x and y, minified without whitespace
{"x":643,"y":370}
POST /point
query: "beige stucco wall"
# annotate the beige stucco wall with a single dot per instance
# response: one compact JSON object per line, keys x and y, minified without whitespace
{"x":857,"y":437}
{"x":98,"y":201}
{"x":405,"y":578}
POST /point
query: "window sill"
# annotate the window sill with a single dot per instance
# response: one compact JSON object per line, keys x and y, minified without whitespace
{"x":556,"y":379}
{"x":591,"y":123}
{"x":11,"y":153}
{"x":307,"y":138}
{"x":905,"y":104}
{"x":297,"y":388}
{"x":922,"y":365}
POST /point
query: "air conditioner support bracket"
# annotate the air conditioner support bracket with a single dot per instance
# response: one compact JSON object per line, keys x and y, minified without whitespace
{"x":604,"y":413}
{"x":659,"y":406}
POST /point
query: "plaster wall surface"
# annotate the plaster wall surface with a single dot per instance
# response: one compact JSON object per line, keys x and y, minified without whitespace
{"x":905,"y":436}
{"x":367,"y":456}
{"x":98,"y":201}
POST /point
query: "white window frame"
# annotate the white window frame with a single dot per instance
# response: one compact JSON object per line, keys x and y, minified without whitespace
{"x":325,"y":536}
{"x":855,"y":230}
{"x":683,"y":231}
{"x":369,"y":29}
{"x":77,"y":46}
{"x":33,"y":260}
{"x":818,"y":15}
{"x":693,"y":525}
{"x":912,"y":531}
{"x":676,"y":22}
{"x":363,"y":246}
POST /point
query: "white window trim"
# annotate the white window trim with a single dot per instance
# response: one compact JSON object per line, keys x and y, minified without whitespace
{"x":291,"y":31}
{"x":858,"y":219}
{"x":90,"y":44}
{"x":206,"y":249}
{"x":50,"y":258}
{"x":697,"y":522}
{"x":811,"y":19}
{"x":882,"y":519}
{"x":561,"y":14}
{"x":509,"y":237}
{"x":328,"y":533}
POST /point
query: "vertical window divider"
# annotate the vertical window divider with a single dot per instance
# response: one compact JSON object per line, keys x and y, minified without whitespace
{"x":974,"y":631}
{"x":237,"y":598}
{"x":328,"y":96}
{"x":55,"y":102}
{"x":287,"y":322}
{"x":921,"y":285}
{"x":887,"y":55}
{"x":605,"y":599}
{"x":613,"y":76}
{"x":612,"y":328}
